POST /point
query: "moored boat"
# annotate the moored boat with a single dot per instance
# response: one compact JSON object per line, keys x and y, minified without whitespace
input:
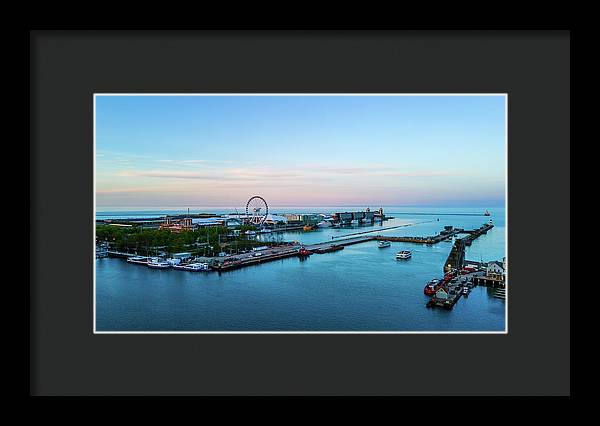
{"x":250,"y":232}
{"x":193,"y":267}
{"x":382,"y":244}
{"x":304,"y":252}
{"x":156,"y":263}
{"x":432,"y":286}
{"x":140,"y":260}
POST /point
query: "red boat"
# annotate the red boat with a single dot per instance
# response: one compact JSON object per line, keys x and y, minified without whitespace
{"x":448,"y":277}
{"x":432,"y":286}
{"x":304,"y":252}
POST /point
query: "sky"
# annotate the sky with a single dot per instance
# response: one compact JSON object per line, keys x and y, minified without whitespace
{"x":218,"y":151}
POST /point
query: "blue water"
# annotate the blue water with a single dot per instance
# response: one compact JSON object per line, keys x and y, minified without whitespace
{"x":360,"y":288}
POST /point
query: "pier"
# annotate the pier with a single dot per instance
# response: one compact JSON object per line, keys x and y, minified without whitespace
{"x":240,"y":263}
{"x":342,"y":243}
{"x":456,"y":258}
{"x":486,"y":281}
{"x":382,"y":229}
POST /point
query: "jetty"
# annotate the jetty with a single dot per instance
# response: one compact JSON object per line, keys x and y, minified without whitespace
{"x":456,"y":258}
{"x":240,"y":263}
{"x":332,"y":247}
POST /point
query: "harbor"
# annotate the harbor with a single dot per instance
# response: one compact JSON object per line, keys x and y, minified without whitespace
{"x":322,"y":250}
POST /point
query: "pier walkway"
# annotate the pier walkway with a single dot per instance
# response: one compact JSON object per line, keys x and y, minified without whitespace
{"x":383,"y":229}
{"x":456,"y":258}
{"x":343,"y":243}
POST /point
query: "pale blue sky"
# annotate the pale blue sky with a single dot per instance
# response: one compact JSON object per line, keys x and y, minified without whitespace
{"x":300,"y":150}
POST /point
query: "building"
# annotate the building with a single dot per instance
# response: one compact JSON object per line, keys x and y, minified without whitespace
{"x":209,"y":221}
{"x":495,"y":270}
{"x":273,"y":219}
{"x":182,"y":256}
{"x":177,"y":225}
{"x":441,"y":294}
{"x":292,"y":217}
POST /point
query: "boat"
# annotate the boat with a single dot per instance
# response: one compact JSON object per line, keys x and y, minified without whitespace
{"x":466,"y":291}
{"x":140,"y":260}
{"x":432,"y":286}
{"x":250,"y":233}
{"x":404,"y":254}
{"x":486,"y":213}
{"x":304,"y":252}
{"x":382,"y":244}
{"x":265,"y":231}
{"x":325,"y":223}
{"x":309,"y":227}
{"x":156,"y":263}
{"x":194,"y":267}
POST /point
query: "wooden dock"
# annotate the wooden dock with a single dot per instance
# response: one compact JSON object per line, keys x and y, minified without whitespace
{"x":486,"y":281}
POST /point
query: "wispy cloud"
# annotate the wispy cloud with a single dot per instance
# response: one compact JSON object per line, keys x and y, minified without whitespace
{"x":262,"y":173}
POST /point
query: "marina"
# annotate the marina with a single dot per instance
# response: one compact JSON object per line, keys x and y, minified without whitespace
{"x":332,"y":243}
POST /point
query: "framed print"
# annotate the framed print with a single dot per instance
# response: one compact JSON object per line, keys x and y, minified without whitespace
{"x":300,"y":213}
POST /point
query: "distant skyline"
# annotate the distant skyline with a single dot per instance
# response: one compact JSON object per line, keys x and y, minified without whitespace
{"x":217,"y":151}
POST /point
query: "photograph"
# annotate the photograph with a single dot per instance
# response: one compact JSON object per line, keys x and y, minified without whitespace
{"x":300,"y":213}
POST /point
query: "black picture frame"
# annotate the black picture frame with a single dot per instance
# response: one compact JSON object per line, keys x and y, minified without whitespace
{"x":67,"y":67}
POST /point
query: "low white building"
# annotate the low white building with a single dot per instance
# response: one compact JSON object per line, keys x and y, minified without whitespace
{"x":494,"y":268}
{"x":182,"y":256}
{"x":441,"y":294}
{"x":273,"y":219}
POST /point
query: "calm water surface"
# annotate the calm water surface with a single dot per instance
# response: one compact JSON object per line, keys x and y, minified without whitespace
{"x":360,"y":288}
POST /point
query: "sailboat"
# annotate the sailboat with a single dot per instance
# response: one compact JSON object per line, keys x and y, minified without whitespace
{"x":486,"y":213}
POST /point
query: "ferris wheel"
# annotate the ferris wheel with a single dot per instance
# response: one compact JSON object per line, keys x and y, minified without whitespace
{"x":257,"y":210}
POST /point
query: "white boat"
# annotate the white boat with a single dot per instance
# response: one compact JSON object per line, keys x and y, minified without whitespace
{"x":325,"y":224}
{"x":194,"y":267}
{"x":156,"y":263}
{"x":265,"y":231}
{"x":138,"y":259}
{"x":250,"y":233}
{"x":404,"y":254}
{"x":382,"y":244}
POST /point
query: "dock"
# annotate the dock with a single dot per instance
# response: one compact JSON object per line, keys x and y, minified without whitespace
{"x":446,"y":303}
{"x":228,"y":266}
{"x":486,"y":281}
{"x":331,"y":248}
{"x":456,"y":258}
{"x":500,"y":293}
{"x":342,"y":243}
